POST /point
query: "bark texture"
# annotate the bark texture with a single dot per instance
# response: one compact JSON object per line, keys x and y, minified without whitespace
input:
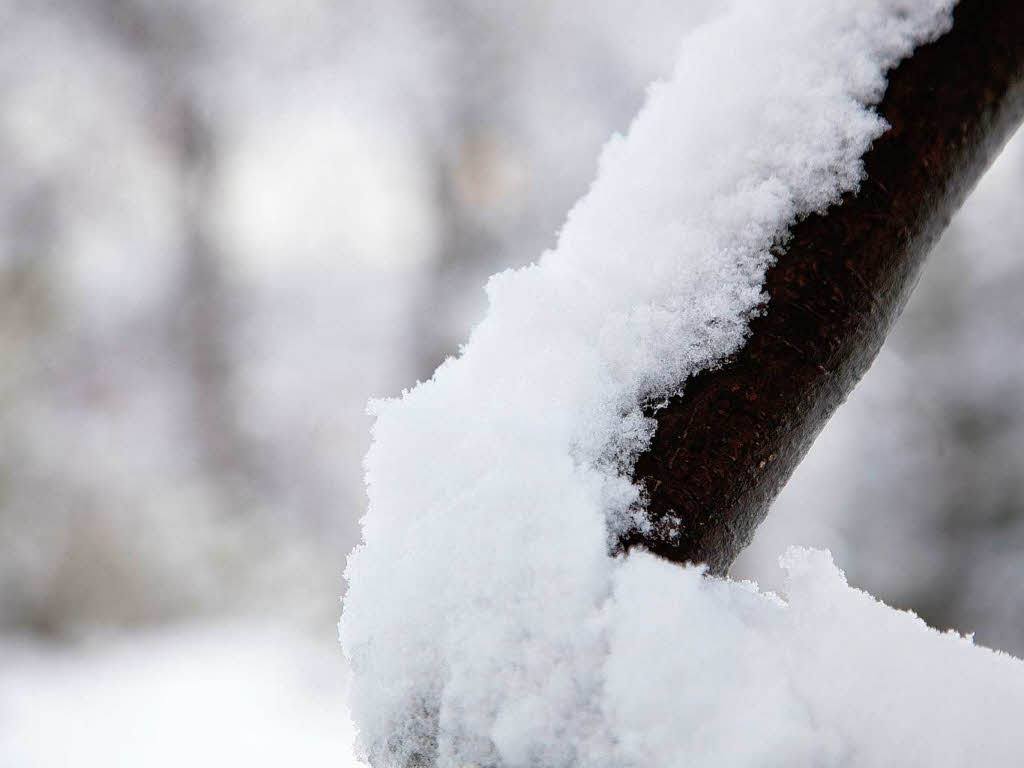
{"x":726,"y":446}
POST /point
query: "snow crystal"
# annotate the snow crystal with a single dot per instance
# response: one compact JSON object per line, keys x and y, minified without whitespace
{"x":485,"y":621}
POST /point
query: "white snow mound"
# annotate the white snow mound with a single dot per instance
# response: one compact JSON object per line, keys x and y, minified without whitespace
{"x":486,"y":623}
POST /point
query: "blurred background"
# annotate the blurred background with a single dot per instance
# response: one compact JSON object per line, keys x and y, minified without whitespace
{"x":225,"y":224}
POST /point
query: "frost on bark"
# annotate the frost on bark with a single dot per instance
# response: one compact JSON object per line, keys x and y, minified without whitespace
{"x":726,"y":446}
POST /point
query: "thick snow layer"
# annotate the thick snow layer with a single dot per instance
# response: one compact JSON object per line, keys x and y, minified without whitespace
{"x":711,"y":672}
{"x":485,"y":621}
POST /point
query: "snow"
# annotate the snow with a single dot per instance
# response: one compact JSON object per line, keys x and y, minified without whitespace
{"x":485,"y":622}
{"x":831,"y":677}
{"x":224,"y":693}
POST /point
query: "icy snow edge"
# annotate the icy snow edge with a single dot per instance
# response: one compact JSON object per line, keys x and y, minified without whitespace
{"x":485,"y":622}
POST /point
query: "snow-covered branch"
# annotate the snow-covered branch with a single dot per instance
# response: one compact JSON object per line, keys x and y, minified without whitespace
{"x":486,"y":621}
{"x":725,"y":447}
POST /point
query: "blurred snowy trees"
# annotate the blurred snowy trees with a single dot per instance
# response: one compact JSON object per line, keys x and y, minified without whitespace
{"x":225,"y":225}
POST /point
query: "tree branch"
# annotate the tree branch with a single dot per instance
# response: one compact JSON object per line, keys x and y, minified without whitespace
{"x":726,"y":446}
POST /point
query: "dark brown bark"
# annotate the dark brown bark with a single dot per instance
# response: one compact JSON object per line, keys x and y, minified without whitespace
{"x":725,"y":447}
